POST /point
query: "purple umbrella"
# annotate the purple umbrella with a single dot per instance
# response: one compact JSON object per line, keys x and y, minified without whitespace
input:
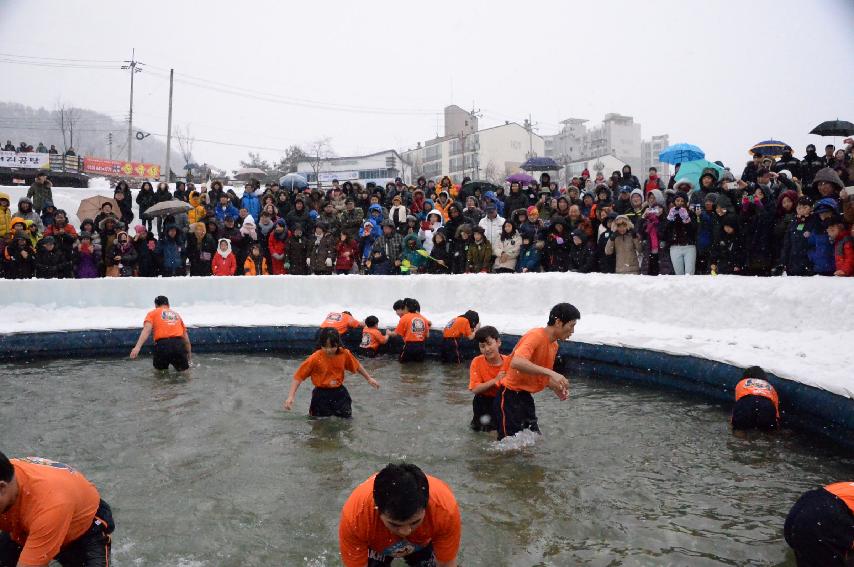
{"x":521,"y":178}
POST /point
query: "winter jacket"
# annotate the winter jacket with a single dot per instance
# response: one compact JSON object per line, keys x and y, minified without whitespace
{"x":757,"y":229}
{"x":810,"y":165}
{"x":251,"y":202}
{"x":794,"y":254}
{"x":322,"y":254}
{"x":65,"y":236}
{"x":255,"y":266}
{"x":5,"y":218}
{"x":146,"y":263}
{"x":558,"y":247}
{"x":200,"y":253}
{"x":515,"y":201}
{"x":728,"y":254}
{"x":30,"y":215}
{"x":145,"y":199}
{"x":227,"y":211}
{"x":51,"y":264}
{"x":821,"y":252}
{"x":162,"y":195}
{"x":380,"y":266}
{"x":127,"y":258}
{"x":411,"y":260}
{"x":297,"y":252}
{"x":529,"y":259}
{"x":346,"y":254}
{"x":510,"y":248}
{"x":390,"y":245}
{"x":581,"y":258}
{"x":86,"y":260}
{"x":426,"y":234}
{"x":397,"y":214}
{"x":224,"y":263}
{"x":439,"y":252}
{"x":351,"y":221}
{"x":843,"y":251}
{"x":460,"y":254}
{"x":16,"y":266}
{"x":172,"y":252}
{"x":276,"y":248}
{"x":491,"y":228}
{"x":479,"y":258}
{"x":626,"y":248}
{"x":678,"y":232}
{"x":198,"y":212}
{"x":40,"y":193}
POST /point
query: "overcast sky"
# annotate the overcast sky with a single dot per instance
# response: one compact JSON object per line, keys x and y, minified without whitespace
{"x":375,"y":75}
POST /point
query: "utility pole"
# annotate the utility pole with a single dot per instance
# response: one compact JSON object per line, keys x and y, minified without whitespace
{"x":110,"y":143}
{"x":169,"y":128}
{"x":135,"y":67}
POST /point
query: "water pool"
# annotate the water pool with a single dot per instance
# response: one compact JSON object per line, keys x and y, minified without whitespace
{"x":209,"y":470}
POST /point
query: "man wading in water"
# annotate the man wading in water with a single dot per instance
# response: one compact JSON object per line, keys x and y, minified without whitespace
{"x":171,"y":341}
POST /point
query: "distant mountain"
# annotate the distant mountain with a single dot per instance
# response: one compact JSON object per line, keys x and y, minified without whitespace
{"x":21,"y":123}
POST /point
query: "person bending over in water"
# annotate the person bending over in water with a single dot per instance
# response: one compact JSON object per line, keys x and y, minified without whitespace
{"x":171,"y":341}
{"x":460,"y":327}
{"x":326,"y":368}
{"x":756,"y":403}
{"x":400,"y":513}
{"x":820,"y":527}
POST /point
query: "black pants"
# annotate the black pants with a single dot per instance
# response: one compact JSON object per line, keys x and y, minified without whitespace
{"x":421,"y":558}
{"x":754,"y":412}
{"x":92,"y":549}
{"x":820,"y":528}
{"x":450,"y":351}
{"x":330,"y":402}
{"x":412,"y":352}
{"x":514,"y":412}
{"x":170,"y":351}
{"x":483,"y":413}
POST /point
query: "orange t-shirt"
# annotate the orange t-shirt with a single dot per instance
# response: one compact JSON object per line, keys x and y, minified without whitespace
{"x":327,"y":371}
{"x":844,"y":491}
{"x":362,"y":534}
{"x":457,"y":328}
{"x":372,"y":338}
{"x":55,"y":506}
{"x":413,"y":327}
{"x":166,"y":323}
{"x":482,"y":371}
{"x":757,"y":387}
{"x":535,"y":346}
{"x":340,"y":322}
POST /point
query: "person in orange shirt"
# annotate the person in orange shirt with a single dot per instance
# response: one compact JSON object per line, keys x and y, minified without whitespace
{"x":256,"y":263}
{"x":326,"y":368}
{"x":820,"y":526}
{"x":372,"y":338}
{"x":341,"y":322}
{"x":415,"y":329}
{"x":756,"y":403}
{"x":458,"y":328}
{"x":49,"y":511}
{"x":171,"y":341}
{"x":485,"y":372}
{"x":531,"y":370}
{"x":400,"y":513}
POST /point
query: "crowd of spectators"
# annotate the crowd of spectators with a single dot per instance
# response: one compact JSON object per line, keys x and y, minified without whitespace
{"x":782,"y":216}
{"x":25,"y":148}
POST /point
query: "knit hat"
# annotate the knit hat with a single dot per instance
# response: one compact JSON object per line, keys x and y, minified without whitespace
{"x":139,"y":229}
{"x":533,"y":213}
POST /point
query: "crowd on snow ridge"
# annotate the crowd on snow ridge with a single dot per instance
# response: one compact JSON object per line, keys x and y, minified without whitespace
{"x":786,"y":216}
{"x":25,"y":148}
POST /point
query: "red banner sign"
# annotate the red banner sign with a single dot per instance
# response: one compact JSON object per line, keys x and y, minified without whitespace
{"x":121,"y":168}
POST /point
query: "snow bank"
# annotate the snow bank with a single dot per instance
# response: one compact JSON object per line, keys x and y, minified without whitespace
{"x":798,"y":328}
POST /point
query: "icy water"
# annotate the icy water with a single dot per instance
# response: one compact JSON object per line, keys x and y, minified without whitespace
{"x":208,"y":470}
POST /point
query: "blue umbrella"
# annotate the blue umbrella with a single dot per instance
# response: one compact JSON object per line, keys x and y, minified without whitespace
{"x":681,"y":153}
{"x":692,"y":171}
{"x":540,"y":164}
{"x":769,"y":148}
{"x":293,"y":181}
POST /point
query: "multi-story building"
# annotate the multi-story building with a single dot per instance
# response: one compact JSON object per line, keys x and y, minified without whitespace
{"x":649,"y":155}
{"x":380,"y":167}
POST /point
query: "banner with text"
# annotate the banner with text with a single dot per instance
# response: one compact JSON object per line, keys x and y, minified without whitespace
{"x":26,"y":160}
{"x":121,"y":168}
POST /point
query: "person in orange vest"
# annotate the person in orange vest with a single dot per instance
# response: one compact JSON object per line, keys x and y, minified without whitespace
{"x":341,"y":322}
{"x":373,"y":340}
{"x":171,"y":341}
{"x":400,"y":513}
{"x":326,"y":368}
{"x":485,"y":372}
{"x":49,"y":511}
{"x":531,"y":370}
{"x":458,"y":328}
{"x":415,"y":329}
{"x":756,"y":403}
{"x":820,"y":526}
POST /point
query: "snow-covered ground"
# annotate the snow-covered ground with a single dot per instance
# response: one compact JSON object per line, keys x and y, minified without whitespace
{"x":798,"y":328}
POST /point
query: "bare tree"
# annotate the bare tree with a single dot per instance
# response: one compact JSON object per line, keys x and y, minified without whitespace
{"x":186,"y":141}
{"x":68,"y":120}
{"x":493,"y":174}
{"x":319,"y":151}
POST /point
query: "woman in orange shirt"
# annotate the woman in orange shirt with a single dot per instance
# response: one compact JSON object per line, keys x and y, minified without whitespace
{"x":458,"y":328}
{"x":326,"y":368}
{"x":820,"y":526}
{"x":415,"y":329}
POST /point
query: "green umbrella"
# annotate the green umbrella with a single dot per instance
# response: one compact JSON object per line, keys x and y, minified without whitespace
{"x":692,"y":170}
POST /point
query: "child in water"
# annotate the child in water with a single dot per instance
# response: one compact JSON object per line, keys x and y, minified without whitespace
{"x":485,"y":372}
{"x":373,"y":340}
{"x":326,"y":368}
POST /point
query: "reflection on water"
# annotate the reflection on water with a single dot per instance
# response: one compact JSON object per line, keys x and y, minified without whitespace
{"x":206,"y":469}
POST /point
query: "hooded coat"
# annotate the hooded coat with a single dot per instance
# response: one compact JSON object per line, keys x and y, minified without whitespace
{"x":251,"y":201}
{"x":460,"y":250}
{"x":727,"y":252}
{"x":51,"y":264}
{"x":297,"y":252}
{"x":479,"y":258}
{"x":201,"y":248}
{"x":41,"y":194}
{"x":30,"y":214}
{"x":86,"y":259}
{"x":558,"y":247}
{"x":276,"y":246}
{"x":224,"y":263}
{"x":410,"y":257}
{"x":794,"y":253}
{"x":171,"y":251}
{"x":625,"y":247}
{"x":322,"y":254}
{"x":5,"y":217}
{"x":581,"y":258}
{"x":439,"y":251}
{"x":20,"y":259}
{"x":435,"y":223}
{"x":508,"y":247}
{"x":145,"y":198}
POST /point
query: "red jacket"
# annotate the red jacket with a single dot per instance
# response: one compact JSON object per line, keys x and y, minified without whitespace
{"x":223,"y":266}
{"x":345,"y":261}
{"x":843,"y":249}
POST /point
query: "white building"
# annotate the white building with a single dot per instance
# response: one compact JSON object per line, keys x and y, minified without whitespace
{"x":649,"y":156}
{"x":380,"y":167}
{"x":603,"y":164}
{"x":465,"y":150}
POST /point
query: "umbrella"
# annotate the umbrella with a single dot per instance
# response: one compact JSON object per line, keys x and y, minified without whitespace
{"x":834,"y":128}
{"x":692,"y":170}
{"x":293,"y":181}
{"x":768,"y":148}
{"x":484,"y":186}
{"x":166,"y":208}
{"x":681,"y":153}
{"x":91,"y":206}
{"x":247,"y":172}
{"x":521,"y":178}
{"x":540,"y":164}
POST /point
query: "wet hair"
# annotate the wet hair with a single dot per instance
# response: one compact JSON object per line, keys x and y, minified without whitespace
{"x":398,"y":305}
{"x":161,"y":300}
{"x":401,"y":491}
{"x":755,"y":372}
{"x":472,"y":317}
{"x":412,"y":305}
{"x":328,"y":337}
{"x":7,"y":471}
{"x":564,"y":312}
{"x":371,"y":321}
{"x":484,"y":333}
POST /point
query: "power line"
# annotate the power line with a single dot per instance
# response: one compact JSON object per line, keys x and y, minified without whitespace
{"x":60,"y":58}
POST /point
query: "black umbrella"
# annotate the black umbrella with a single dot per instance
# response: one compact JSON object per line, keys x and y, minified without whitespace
{"x":540,"y":164}
{"x":484,"y":186}
{"x":834,"y":128}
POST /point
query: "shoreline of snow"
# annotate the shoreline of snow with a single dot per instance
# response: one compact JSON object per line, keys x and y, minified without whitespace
{"x":798,"y":328}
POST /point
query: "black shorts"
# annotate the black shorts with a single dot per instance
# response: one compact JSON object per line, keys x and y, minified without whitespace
{"x":369,"y":352}
{"x":170,"y":351}
{"x":514,"y":412}
{"x":92,"y":549}
{"x":483,"y":410}
{"x":412,"y":352}
{"x":820,"y":528}
{"x":422,"y":558}
{"x":330,"y":402}
{"x":754,"y":412}
{"x":450,"y":351}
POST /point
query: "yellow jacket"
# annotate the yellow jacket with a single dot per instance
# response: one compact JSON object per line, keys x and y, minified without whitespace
{"x":5,"y":216}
